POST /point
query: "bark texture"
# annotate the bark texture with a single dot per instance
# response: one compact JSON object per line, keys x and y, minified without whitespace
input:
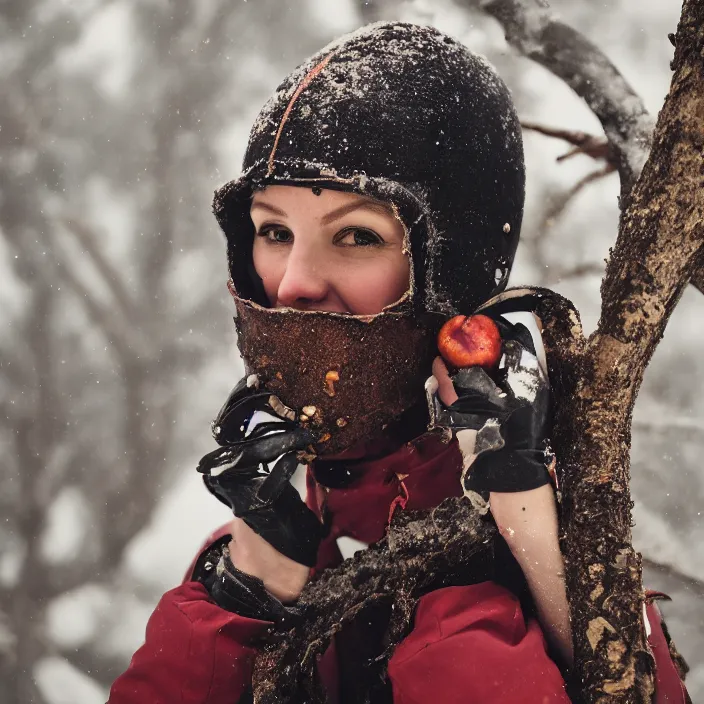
{"x":658,"y":251}
{"x":421,"y":551}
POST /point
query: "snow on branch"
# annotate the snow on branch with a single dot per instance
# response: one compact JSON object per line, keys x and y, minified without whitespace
{"x":534,"y":32}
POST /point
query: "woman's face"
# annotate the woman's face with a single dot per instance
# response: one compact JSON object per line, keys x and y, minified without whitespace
{"x":337,"y":252}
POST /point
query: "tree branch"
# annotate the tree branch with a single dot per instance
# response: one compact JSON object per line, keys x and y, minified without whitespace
{"x":88,"y":240}
{"x":532,"y":30}
{"x":118,"y":332}
{"x":660,"y":242}
{"x":560,"y":201}
{"x":420,"y":549}
{"x":669,"y":424}
{"x":583,"y":143}
{"x":597,"y":148}
{"x":15,"y":370}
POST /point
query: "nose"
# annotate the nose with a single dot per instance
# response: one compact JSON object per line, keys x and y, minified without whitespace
{"x":305,"y":284}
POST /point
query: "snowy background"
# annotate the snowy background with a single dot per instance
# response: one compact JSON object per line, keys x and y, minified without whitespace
{"x":118,"y":120}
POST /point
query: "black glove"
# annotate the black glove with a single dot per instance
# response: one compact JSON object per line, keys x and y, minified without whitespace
{"x":255,"y":429}
{"x":509,"y":411}
{"x":238,"y":592}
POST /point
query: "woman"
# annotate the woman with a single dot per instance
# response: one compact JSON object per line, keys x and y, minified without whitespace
{"x":382,"y":192}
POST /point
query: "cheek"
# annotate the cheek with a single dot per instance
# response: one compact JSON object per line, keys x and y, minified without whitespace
{"x":375,"y":285}
{"x":268,"y":266}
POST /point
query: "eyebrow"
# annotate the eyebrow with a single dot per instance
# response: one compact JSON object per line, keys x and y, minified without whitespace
{"x":334,"y":214}
{"x":271,"y":208}
{"x":359,"y":205}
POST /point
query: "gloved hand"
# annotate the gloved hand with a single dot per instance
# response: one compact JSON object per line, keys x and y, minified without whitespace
{"x":501,"y":421}
{"x":254,"y":430}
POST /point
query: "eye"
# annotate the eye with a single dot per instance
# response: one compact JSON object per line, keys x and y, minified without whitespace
{"x":275,"y":234}
{"x":358,"y":237}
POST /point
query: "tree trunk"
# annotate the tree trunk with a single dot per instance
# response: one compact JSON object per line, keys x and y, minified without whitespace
{"x":657,"y":252}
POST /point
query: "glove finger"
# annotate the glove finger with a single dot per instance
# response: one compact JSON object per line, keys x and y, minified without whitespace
{"x":261,"y":489}
{"x":479,"y":398}
{"x":283,"y":519}
{"x":288,"y":525}
{"x":243,"y":389}
{"x":254,"y":428}
{"x":279,"y":476}
{"x":224,"y":457}
{"x":233,"y":421}
{"x":476,"y":381}
{"x":235,"y":489}
{"x":268,"y":448}
{"x":248,"y":453}
{"x":268,"y":427}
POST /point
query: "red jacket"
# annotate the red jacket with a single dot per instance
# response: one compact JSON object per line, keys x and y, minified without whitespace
{"x":469,"y":644}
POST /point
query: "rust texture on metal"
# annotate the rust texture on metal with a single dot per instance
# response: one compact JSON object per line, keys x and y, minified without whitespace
{"x":358,"y":374}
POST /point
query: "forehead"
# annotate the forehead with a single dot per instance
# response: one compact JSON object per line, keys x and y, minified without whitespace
{"x":292,"y":199}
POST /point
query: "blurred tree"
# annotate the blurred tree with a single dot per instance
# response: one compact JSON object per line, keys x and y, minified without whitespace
{"x":108,"y":290}
{"x":107,"y":304}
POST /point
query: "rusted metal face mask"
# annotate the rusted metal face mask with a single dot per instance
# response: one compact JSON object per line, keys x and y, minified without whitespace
{"x":410,"y":117}
{"x":346,"y":377}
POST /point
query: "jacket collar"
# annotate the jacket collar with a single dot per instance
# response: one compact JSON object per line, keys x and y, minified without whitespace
{"x":357,"y":498}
